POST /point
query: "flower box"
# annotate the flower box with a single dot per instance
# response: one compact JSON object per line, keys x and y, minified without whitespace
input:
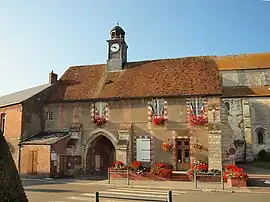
{"x":116,"y":174}
{"x":158,"y":120}
{"x":237,"y":182}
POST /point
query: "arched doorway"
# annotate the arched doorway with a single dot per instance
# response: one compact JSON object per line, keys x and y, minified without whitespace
{"x":100,"y":155}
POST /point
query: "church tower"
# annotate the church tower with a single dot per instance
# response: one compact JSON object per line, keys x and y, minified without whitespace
{"x":117,"y":49}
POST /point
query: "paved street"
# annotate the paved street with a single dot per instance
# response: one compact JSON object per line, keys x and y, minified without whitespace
{"x":70,"y":192}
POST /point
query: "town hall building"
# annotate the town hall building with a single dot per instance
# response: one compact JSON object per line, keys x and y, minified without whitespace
{"x":175,"y":111}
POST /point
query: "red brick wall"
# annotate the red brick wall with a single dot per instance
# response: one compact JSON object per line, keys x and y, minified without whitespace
{"x":43,"y":159}
{"x":13,"y":128}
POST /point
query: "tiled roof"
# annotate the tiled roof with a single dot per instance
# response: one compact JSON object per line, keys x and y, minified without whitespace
{"x":244,"y":61}
{"x":167,"y":77}
{"x":21,"y":96}
{"x":45,"y":138}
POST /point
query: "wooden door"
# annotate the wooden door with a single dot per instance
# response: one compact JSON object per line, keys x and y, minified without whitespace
{"x":62,"y":164}
{"x":32,"y":162}
{"x":97,"y":162}
{"x":182,"y":154}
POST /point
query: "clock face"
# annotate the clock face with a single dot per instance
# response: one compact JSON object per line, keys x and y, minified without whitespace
{"x":115,"y":47}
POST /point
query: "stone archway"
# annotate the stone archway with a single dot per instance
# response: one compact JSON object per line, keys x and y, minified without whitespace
{"x":100,"y":151}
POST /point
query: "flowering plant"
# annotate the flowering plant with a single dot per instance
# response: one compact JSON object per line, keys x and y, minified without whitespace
{"x":162,"y":169}
{"x":99,"y":120}
{"x":167,"y":145}
{"x":118,"y":165}
{"x":198,"y":119}
{"x":234,"y":172}
{"x":157,"y":120}
{"x":199,"y":147}
{"x":135,"y":165}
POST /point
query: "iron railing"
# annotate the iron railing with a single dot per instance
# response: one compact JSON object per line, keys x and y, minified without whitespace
{"x":167,"y":198}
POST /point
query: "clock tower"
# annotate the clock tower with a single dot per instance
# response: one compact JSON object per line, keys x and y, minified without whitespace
{"x":117,"y":49}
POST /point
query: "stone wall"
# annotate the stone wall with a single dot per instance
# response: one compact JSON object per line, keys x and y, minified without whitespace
{"x":215,"y":135}
{"x":246,"y":77}
{"x":127,"y":112}
{"x":260,"y":116}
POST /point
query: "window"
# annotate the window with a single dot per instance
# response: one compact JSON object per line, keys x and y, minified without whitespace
{"x":260,"y":135}
{"x":227,"y":105}
{"x":157,"y":106}
{"x":196,"y":105}
{"x":49,"y":116}
{"x":100,"y":108}
{"x":3,"y":122}
{"x":143,"y":150}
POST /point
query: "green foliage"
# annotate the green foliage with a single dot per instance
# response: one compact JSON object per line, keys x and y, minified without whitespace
{"x":11,"y":189}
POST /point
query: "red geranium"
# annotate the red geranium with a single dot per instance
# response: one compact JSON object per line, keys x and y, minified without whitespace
{"x":234,"y":172}
{"x":99,"y":120}
{"x":158,"y":120}
{"x":118,"y":165}
{"x":198,"y":119}
{"x":135,"y":165}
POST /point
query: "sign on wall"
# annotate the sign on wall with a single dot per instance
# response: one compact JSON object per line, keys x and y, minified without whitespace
{"x":143,"y":150}
{"x":53,"y":156}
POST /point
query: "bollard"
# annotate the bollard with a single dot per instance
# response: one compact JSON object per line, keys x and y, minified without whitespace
{"x":109,"y":180}
{"x":169,"y":196}
{"x":195,"y":179}
{"x":222,"y":180}
{"x":127,"y":177}
{"x":96,"y":197}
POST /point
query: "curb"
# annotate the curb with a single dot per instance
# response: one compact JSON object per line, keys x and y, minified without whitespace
{"x":179,"y":189}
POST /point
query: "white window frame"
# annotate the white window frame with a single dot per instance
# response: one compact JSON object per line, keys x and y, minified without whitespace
{"x":143,"y":150}
{"x":157,"y":107}
{"x":197,"y":104}
{"x":3,"y":122}
{"x":50,"y":116}
{"x":100,"y":107}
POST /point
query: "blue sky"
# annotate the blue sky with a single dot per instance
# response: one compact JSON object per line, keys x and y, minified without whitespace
{"x":37,"y":36}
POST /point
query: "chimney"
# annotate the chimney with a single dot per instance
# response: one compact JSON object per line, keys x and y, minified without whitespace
{"x":52,"y":78}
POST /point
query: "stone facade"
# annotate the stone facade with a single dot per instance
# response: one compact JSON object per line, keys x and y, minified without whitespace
{"x":128,"y":121}
{"x":246,"y":115}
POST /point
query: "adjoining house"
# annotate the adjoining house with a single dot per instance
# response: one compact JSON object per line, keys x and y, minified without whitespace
{"x":175,"y":111}
{"x":21,"y":114}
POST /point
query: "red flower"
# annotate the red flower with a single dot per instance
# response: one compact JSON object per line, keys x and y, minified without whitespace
{"x":167,"y":145}
{"x":99,"y":120}
{"x":197,"y":119}
{"x":158,"y":120}
{"x":234,"y":172}
{"x":135,"y":165}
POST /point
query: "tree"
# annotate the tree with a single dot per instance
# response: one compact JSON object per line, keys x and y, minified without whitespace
{"x":11,"y":188}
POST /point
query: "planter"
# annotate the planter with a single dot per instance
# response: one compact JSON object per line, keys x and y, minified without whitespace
{"x":237,"y":182}
{"x":116,"y":174}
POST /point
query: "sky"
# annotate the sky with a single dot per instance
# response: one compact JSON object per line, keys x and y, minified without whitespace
{"x":38,"y":36}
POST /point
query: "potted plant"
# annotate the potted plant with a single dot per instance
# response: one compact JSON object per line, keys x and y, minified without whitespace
{"x":99,"y":120}
{"x":198,"y":120}
{"x":167,"y":145}
{"x":118,"y":170}
{"x":235,"y":176}
{"x":158,"y":120}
